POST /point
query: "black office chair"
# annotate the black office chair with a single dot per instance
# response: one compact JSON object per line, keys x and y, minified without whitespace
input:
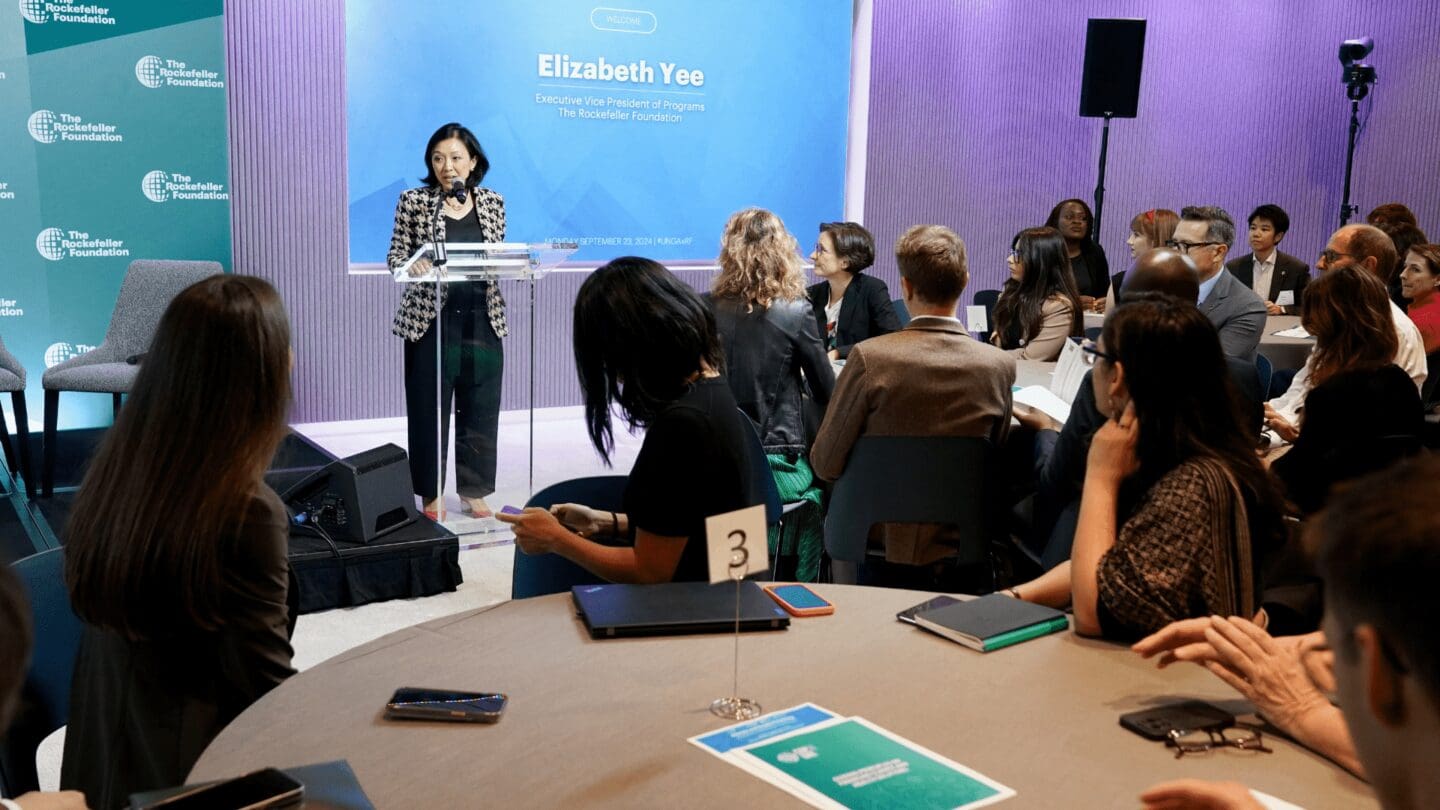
{"x":45,"y":700}
{"x":541,"y":574}
{"x":915,"y":479}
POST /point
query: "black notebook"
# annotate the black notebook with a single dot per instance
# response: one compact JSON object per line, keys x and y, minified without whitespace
{"x":671,"y":608}
{"x":992,"y":622}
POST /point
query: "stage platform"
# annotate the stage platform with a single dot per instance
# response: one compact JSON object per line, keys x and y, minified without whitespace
{"x":418,"y":560}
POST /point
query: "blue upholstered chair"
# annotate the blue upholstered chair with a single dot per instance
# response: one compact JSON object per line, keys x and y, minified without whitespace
{"x":540,"y":574}
{"x":915,"y":479}
{"x":12,"y":379}
{"x":146,"y":292}
{"x":45,"y":701}
{"x":901,"y":311}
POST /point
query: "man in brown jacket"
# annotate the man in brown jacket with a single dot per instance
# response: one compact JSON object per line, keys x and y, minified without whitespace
{"x":929,"y":379}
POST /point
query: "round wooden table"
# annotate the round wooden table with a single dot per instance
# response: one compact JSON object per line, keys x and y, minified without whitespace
{"x":604,"y":723}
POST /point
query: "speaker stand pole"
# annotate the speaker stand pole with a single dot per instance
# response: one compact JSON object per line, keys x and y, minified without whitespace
{"x":1100,"y":183}
{"x":1346,"y":209}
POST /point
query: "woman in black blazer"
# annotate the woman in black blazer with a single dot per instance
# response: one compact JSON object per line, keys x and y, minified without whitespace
{"x":471,"y":328}
{"x":849,"y":307}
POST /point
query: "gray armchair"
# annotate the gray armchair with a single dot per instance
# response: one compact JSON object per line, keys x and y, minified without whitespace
{"x":147,"y":290}
{"x":12,"y":379}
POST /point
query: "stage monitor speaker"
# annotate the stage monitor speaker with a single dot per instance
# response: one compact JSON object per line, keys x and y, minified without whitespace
{"x":1114,"y":50}
{"x":357,"y":499}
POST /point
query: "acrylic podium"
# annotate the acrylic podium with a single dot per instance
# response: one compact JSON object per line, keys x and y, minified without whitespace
{"x":470,"y":262}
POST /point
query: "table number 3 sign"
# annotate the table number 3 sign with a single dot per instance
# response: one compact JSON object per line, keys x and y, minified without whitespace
{"x":737,"y":543}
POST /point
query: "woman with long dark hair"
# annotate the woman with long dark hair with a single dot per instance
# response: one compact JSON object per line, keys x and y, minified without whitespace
{"x":773,"y":359}
{"x":647,"y":342}
{"x":1353,"y":329}
{"x":1360,"y":411}
{"x":1072,"y":218}
{"x":452,"y":206}
{"x":1176,"y":510}
{"x":1039,"y":309}
{"x":175,"y":550}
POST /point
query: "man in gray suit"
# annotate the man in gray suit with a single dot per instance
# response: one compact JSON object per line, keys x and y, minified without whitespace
{"x":929,"y":379}
{"x":1205,"y":234}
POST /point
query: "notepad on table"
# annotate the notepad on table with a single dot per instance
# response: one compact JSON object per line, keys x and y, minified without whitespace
{"x":992,"y":622}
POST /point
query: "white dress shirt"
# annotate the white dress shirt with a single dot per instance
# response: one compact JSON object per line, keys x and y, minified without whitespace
{"x":1264,"y":271}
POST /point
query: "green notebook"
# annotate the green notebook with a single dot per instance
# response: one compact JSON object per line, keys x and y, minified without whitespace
{"x":992,"y":622}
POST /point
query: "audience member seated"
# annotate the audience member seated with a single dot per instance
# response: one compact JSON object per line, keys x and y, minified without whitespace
{"x":1419,"y":280}
{"x":1383,"y":215}
{"x":1377,"y":557}
{"x":1370,"y":250}
{"x":929,"y":379}
{"x":1362,"y":411}
{"x":773,"y":358}
{"x":1148,"y":230}
{"x":1205,"y":234}
{"x":181,"y":578}
{"x":849,"y":305}
{"x":1405,"y":236}
{"x":1266,"y":269}
{"x":1039,"y":308}
{"x":1072,"y":218}
{"x":646,"y":342}
{"x":1061,"y":451}
{"x":1176,"y":511}
{"x":15,"y":641}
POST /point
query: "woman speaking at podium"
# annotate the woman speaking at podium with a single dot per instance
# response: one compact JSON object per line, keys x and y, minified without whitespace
{"x":451,"y":207}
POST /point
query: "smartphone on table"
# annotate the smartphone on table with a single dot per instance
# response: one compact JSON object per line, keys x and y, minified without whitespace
{"x":908,"y":614}
{"x":269,"y":788}
{"x":411,"y":703}
{"x":799,"y":600}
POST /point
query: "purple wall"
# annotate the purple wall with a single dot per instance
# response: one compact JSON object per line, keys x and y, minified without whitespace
{"x":974,"y":124}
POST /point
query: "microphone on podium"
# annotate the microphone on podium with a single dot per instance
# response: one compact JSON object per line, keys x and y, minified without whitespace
{"x":457,"y":189}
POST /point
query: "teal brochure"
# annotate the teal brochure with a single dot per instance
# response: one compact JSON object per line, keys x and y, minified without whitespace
{"x":851,"y":763}
{"x":765,"y":727}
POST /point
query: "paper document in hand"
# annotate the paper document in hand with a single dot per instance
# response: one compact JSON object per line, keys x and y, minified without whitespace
{"x":1069,"y":371}
{"x":1042,"y":399}
{"x":1293,"y":332}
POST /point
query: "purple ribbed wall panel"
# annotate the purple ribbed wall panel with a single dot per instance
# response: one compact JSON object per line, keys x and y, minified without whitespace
{"x":974,"y":124}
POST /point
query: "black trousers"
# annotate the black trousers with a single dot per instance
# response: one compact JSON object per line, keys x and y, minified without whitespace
{"x":473,"y":366}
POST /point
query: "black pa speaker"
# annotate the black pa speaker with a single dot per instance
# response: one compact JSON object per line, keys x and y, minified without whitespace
{"x":1113,"y":53}
{"x":357,"y":499}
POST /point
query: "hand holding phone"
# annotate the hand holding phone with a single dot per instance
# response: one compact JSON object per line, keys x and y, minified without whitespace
{"x":269,"y":788}
{"x":799,"y":600}
{"x":410,"y":703}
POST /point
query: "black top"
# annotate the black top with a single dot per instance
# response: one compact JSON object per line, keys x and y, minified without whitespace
{"x":1354,"y":423}
{"x":1091,"y":270}
{"x":865,"y":312}
{"x":141,"y":712}
{"x":692,"y":465}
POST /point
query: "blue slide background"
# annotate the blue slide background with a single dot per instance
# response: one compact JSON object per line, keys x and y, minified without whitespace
{"x":772,"y":133}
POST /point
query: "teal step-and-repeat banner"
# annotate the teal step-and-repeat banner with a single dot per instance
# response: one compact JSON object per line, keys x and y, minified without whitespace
{"x":112,"y":148}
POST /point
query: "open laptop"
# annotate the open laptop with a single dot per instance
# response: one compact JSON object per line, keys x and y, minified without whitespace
{"x":674,"y":608}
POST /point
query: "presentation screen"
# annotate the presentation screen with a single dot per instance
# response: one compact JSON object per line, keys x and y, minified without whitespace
{"x":630,"y":131}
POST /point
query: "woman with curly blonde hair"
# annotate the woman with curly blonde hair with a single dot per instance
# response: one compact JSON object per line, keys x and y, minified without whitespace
{"x":775,"y":363}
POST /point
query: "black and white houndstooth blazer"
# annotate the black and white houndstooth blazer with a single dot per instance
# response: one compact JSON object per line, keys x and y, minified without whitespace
{"x":418,"y":220}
